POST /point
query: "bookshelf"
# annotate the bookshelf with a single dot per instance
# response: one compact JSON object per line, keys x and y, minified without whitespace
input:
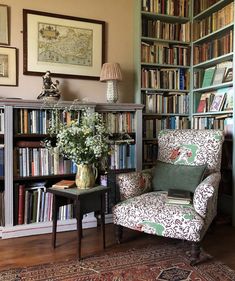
{"x":162,"y":58}
{"x":212,"y":94}
{"x":29,"y":169}
{"x":208,"y":54}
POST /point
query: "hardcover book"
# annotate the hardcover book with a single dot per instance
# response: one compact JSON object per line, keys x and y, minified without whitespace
{"x":64,"y":184}
{"x":208,"y":77}
{"x":178,"y":196}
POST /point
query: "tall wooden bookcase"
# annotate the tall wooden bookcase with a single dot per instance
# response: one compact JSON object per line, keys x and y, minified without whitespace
{"x":211,"y":45}
{"x":11,"y":138}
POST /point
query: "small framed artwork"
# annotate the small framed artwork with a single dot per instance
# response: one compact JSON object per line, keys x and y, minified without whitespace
{"x":8,"y":66}
{"x":228,"y":77}
{"x":4,"y":25}
{"x":66,"y":46}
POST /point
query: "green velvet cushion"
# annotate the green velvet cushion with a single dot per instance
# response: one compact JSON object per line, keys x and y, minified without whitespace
{"x":166,"y":176}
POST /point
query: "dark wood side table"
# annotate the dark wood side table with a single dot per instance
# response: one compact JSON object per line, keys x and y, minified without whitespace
{"x":86,"y":201}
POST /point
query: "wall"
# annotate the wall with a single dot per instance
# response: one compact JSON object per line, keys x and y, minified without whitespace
{"x":118,"y":15}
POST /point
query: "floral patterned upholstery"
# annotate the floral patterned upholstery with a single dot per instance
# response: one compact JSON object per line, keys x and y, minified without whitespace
{"x":149,"y":212}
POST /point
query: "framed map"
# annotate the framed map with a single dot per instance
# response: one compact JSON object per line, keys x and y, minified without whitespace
{"x":66,"y":46}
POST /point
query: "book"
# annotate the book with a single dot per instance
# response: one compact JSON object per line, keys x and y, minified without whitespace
{"x":218,"y":100}
{"x":178,"y":196}
{"x":208,"y":77}
{"x":229,"y":99}
{"x":64,"y":184}
{"x":228,"y":76}
{"x":205,"y":102}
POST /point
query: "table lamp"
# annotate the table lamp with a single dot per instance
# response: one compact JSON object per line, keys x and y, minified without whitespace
{"x":111,"y":72}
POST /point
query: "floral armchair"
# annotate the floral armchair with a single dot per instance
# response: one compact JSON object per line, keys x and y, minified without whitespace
{"x":143,"y":205}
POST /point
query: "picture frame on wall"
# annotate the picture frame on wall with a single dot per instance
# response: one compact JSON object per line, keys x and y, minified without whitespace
{"x":8,"y":66}
{"x":67,"y":46}
{"x":4,"y":25}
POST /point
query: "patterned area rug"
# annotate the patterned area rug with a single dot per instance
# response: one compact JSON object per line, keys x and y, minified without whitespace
{"x":165,"y":262}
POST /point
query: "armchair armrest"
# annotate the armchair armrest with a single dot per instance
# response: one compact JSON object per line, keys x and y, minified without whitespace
{"x":205,"y":196}
{"x":134,"y":183}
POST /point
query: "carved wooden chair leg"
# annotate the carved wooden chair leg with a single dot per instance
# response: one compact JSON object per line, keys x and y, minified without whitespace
{"x":119,"y":233}
{"x":195,"y":253}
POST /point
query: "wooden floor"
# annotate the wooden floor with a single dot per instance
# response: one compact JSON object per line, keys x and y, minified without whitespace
{"x":33,"y":250}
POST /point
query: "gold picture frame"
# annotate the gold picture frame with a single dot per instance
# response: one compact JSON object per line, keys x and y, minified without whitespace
{"x":8,"y":66}
{"x":4,"y":25}
{"x":66,"y":46}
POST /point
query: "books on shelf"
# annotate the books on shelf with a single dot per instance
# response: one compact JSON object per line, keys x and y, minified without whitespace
{"x":218,"y":100}
{"x":205,"y":102}
{"x":208,"y":76}
{"x":220,"y":72}
{"x":178,"y":196}
{"x":64,"y":184}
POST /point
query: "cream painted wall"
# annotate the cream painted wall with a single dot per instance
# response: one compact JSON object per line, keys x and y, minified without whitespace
{"x":118,"y":15}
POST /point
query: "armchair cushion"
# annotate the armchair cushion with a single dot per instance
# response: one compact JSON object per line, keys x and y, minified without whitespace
{"x":134,"y":183}
{"x":167,"y":175}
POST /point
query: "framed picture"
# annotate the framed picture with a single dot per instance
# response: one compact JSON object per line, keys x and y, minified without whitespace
{"x":8,"y":66}
{"x":66,"y":46}
{"x":4,"y":25}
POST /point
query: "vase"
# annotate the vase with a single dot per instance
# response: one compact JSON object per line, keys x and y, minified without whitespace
{"x":85,"y":176}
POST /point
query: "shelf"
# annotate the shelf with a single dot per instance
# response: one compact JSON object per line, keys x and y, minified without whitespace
{"x":217,"y":6}
{"x":151,"y":39}
{"x":43,"y":178}
{"x":214,"y":35}
{"x":165,"y":18}
{"x":214,"y":61}
{"x":166,"y":114}
{"x":213,"y":87}
{"x":213,"y":114}
{"x":163,"y":65}
{"x":164,"y":90}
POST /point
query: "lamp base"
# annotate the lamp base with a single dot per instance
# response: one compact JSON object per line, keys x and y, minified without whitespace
{"x":112,"y":91}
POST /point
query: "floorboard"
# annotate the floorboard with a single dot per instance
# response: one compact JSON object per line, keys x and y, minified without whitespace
{"x":25,"y":251}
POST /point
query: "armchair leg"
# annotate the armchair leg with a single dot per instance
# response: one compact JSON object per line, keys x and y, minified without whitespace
{"x":195,"y":253}
{"x":119,"y":233}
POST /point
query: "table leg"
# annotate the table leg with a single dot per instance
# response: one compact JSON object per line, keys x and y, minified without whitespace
{"x":54,"y":218}
{"x":103,"y":216}
{"x":79,"y":227}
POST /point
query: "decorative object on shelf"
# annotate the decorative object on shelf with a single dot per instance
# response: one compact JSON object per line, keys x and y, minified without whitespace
{"x":50,"y":90}
{"x":111,"y":73}
{"x":84,"y":140}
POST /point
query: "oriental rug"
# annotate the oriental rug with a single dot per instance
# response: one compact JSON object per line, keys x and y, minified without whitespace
{"x":165,"y":262}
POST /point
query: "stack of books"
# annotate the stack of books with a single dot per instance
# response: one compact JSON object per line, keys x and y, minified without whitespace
{"x":177,"y":196}
{"x":64,"y":184}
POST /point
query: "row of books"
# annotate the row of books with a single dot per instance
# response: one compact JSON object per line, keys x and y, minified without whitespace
{"x":223,"y":122}
{"x":35,"y":161}
{"x":213,"y":22}
{"x":170,"y":102}
{"x":201,"y":5}
{"x":165,"y":78}
{"x":168,"y":31}
{"x":152,"y":126}
{"x":150,"y":152}
{"x":2,"y":121}
{"x":168,"y":7}
{"x":122,"y":156}
{"x":213,"y":48}
{"x":215,"y":75}
{"x":163,"y":53}
{"x":34,"y":121}
{"x":120,"y":122}
{"x":221,"y":99}
{"x":33,"y":205}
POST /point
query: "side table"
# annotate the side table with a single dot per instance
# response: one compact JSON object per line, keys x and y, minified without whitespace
{"x":86,"y":201}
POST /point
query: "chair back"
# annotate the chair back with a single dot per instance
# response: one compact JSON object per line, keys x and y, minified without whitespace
{"x":191,"y":147}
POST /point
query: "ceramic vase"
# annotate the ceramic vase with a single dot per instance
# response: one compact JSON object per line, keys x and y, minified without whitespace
{"x":85,"y":176}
